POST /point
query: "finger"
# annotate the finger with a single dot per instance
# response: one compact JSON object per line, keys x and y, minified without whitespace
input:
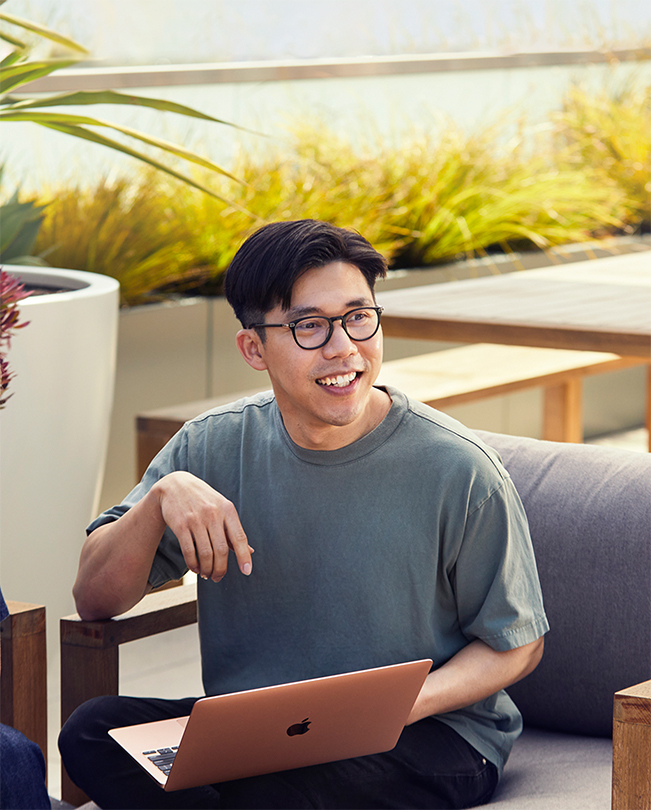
{"x":186,"y":543}
{"x":205,"y":550}
{"x":237,"y":540}
{"x":220,"y":555}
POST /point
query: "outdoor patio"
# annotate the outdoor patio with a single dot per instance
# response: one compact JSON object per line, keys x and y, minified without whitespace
{"x":175,"y":347}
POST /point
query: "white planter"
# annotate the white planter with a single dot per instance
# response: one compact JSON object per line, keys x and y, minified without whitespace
{"x":54,"y":434}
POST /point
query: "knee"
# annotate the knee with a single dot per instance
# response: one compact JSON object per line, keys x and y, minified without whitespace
{"x":22,"y":771}
{"x":88,"y":724}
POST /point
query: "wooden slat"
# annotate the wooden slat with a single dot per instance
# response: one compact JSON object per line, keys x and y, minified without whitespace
{"x":155,"y":613}
{"x":90,"y":653}
{"x":602,"y":305}
{"x":469,"y":373}
{"x":633,"y":705}
{"x":397,"y":323}
{"x":23,"y":672}
{"x":444,"y":379}
{"x":86,"y":673}
{"x":632,"y":748}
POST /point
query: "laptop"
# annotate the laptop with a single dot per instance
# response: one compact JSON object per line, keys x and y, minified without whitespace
{"x":276,"y":728}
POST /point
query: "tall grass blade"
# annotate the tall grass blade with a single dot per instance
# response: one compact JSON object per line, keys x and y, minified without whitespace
{"x":43,"y":31}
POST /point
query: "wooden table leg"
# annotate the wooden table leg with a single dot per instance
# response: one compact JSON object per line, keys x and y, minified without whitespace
{"x":632,"y":748}
{"x":86,"y":672}
{"x":563,"y":412}
{"x":648,"y":405}
{"x":23,"y":672}
{"x":90,"y":652}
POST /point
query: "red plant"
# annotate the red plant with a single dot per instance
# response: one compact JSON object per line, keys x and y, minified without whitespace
{"x":11,"y":293}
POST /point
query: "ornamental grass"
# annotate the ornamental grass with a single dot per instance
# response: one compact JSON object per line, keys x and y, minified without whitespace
{"x":431,"y":199}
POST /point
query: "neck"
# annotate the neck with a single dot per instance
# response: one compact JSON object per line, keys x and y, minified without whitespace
{"x":334,"y":437}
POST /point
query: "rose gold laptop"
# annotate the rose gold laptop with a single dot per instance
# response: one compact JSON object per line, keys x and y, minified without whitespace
{"x":278,"y":727}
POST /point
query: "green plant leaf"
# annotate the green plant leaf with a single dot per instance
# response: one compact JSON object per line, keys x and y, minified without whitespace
{"x":30,"y":261}
{"x":83,"y":97}
{"x":15,"y":217}
{"x":80,"y":132}
{"x":11,"y":59}
{"x":58,"y":120}
{"x":16,"y":75}
{"x":43,"y":31}
{"x":23,"y":244}
{"x":17,"y":43}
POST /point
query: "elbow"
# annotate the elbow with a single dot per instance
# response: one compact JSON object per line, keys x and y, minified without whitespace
{"x":95,"y":603}
{"x":535,"y":653}
{"x":538,"y":652}
{"x":87,"y":608}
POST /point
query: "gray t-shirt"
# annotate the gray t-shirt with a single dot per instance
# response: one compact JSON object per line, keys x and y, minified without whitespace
{"x":409,"y":543}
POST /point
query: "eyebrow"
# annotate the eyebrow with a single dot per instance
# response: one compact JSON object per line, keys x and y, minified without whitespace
{"x":300,"y":312}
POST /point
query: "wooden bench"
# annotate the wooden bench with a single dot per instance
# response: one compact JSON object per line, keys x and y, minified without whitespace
{"x":442,"y":379}
{"x":632,"y":748}
{"x":90,"y":653}
{"x":482,"y":370}
{"x":23,"y":672}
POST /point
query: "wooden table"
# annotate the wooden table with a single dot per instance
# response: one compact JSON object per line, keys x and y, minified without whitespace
{"x":601,"y":305}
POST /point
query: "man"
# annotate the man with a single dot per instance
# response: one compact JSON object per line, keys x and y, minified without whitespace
{"x":383,"y":532}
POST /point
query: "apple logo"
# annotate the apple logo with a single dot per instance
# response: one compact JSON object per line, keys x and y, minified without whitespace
{"x":299,"y":728}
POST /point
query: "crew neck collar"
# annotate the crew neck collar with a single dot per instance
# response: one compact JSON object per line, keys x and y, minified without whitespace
{"x":361,"y":447}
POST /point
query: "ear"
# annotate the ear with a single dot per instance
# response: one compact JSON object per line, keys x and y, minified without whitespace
{"x":251,"y":348}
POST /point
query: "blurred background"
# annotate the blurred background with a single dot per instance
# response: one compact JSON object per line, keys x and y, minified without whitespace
{"x":164,"y":33}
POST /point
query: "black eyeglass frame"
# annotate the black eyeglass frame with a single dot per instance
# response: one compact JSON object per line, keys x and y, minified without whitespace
{"x":331,"y":322}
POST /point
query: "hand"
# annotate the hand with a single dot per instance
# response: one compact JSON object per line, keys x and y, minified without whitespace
{"x":206,"y":524}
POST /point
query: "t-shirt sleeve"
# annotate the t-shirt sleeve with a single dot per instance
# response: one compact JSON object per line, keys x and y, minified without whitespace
{"x":496,"y":580}
{"x":168,"y":563}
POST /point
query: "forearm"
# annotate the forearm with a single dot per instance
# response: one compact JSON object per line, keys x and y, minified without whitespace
{"x":474,"y":673}
{"x":116,"y":560}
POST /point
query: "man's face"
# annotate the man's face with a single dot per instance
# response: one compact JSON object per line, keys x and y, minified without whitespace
{"x":325,"y":395}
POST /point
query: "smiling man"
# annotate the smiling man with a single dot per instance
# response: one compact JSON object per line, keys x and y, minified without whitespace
{"x":383,"y":530}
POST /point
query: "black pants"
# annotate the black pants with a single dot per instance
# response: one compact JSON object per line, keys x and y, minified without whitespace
{"x":430,"y":767}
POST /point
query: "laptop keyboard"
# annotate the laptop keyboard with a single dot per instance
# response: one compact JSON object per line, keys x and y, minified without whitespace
{"x":163,"y":758}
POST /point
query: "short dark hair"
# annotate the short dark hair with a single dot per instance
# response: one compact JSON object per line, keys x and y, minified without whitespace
{"x":266,"y":267}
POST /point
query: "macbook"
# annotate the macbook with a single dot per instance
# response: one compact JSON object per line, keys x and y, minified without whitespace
{"x":276,"y":728}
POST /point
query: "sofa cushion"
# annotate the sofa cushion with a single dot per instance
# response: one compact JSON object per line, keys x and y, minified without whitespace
{"x":548,"y":770}
{"x":589,"y":511}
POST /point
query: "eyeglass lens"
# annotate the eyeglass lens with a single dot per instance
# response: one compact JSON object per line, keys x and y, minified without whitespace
{"x":359,"y":324}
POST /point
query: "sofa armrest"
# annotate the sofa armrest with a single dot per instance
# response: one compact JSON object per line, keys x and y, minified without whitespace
{"x":632,"y":748}
{"x":90,"y":652}
{"x":23,"y":672}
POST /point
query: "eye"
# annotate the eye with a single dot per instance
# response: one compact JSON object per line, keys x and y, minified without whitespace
{"x":309,"y":325}
{"x":359,"y":316}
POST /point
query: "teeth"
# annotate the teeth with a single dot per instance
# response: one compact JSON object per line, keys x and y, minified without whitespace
{"x":340,"y":381}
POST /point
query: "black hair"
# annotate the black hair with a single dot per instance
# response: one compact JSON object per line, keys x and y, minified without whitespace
{"x":267,"y":265}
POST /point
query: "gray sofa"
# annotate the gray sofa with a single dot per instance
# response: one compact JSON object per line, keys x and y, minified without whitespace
{"x":589,"y":510}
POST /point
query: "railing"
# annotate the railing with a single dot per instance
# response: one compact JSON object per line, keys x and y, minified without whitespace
{"x":102,"y":78}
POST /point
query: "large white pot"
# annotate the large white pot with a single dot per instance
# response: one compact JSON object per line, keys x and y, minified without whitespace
{"x":54,"y":434}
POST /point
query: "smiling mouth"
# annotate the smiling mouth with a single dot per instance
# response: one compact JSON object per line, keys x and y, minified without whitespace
{"x":340,"y":381}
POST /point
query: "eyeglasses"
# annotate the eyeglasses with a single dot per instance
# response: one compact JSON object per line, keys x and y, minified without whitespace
{"x":315,"y":331}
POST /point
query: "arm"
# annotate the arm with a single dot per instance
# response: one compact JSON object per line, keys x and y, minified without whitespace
{"x":117,"y":557}
{"x":474,"y":673}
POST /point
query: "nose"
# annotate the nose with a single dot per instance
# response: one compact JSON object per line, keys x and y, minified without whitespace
{"x":339,"y":345}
